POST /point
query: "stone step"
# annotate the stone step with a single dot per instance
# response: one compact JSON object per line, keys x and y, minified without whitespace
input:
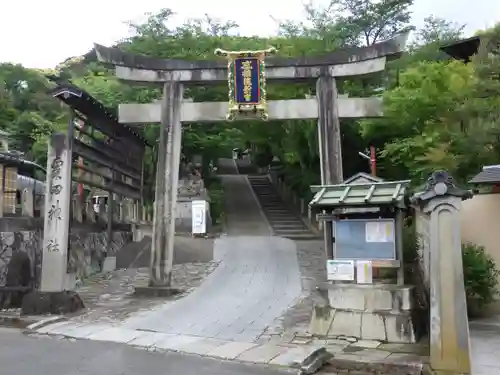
{"x":283,"y":221}
{"x":290,"y":224}
{"x":279,"y":219}
{"x":300,"y":237}
{"x":298,"y":230}
{"x":290,"y":228}
{"x":286,"y":221}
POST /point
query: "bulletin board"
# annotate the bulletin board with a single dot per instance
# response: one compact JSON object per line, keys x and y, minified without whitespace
{"x":365,"y":239}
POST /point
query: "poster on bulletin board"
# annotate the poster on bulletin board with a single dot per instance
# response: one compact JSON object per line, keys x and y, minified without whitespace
{"x":361,"y":239}
{"x":340,"y":270}
{"x":364,"y":272}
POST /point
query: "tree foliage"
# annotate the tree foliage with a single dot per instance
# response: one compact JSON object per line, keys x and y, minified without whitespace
{"x":442,"y":115}
{"x":439,"y":113}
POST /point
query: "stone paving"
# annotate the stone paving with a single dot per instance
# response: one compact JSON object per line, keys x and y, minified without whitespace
{"x":255,"y":282}
{"x":295,"y":321}
{"x":109,"y":297}
{"x":291,"y":353}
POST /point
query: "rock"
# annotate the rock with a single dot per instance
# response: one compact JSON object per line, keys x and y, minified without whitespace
{"x":314,"y":361}
{"x":38,"y":303}
{"x":18,"y":275}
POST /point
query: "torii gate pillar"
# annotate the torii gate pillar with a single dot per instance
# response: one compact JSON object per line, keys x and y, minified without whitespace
{"x":167,"y":181}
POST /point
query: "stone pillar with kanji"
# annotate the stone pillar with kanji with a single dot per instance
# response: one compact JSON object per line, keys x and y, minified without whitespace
{"x":57,"y":214}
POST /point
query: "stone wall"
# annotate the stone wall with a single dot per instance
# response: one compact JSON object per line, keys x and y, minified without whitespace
{"x":88,"y":245}
{"x":89,"y":249}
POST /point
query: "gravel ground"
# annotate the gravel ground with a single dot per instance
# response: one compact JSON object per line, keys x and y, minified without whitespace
{"x":110,"y":297}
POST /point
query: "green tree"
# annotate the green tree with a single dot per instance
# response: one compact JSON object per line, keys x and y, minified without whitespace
{"x":373,"y":20}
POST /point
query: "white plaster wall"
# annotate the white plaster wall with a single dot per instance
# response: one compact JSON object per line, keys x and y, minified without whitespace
{"x":480,"y":221}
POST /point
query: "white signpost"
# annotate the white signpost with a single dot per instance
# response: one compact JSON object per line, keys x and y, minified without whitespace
{"x":199,"y":214}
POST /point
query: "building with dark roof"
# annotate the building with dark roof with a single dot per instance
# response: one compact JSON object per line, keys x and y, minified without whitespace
{"x":463,"y":49}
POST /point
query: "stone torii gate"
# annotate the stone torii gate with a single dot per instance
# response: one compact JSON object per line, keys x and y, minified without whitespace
{"x":327,"y":107}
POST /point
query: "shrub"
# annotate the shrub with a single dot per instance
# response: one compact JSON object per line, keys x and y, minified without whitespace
{"x":263,"y":158}
{"x":480,"y":275}
{"x":216,"y":193}
{"x":480,"y":271}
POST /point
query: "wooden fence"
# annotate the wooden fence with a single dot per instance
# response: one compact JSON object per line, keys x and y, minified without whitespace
{"x":126,"y":210}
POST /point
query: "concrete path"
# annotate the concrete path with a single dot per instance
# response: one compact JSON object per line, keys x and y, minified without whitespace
{"x":258,"y":279}
{"x":244,"y":215}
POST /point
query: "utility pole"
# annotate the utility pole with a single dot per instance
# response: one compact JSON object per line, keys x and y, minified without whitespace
{"x":372,"y":158}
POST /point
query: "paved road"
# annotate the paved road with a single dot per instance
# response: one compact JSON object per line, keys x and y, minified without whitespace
{"x":27,"y":355}
{"x":258,"y":279}
{"x":485,"y":346}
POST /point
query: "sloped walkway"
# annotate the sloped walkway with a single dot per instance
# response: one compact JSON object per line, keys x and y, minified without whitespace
{"x":257,"y":280}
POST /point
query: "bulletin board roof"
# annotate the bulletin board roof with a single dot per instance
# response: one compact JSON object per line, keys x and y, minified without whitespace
{"x":356,"y":195}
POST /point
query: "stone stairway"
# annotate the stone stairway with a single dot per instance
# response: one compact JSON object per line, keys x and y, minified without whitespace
{"x":283,"y":220}
{"x":245,"y":167}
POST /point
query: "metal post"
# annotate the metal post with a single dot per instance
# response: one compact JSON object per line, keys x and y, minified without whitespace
{"x":373,"y":161}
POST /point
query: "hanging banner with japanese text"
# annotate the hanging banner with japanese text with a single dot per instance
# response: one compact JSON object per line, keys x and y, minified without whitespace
{"x":246,"y":83}
{"x":247,"y":80}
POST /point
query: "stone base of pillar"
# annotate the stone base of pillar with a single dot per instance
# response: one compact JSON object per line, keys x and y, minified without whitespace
{"x":368,"y":312}
{"x":156,"y":291}
{"x":39,"y":303}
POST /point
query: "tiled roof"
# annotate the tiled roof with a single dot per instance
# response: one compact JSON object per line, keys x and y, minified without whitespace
{"x":370,"y":194}
{"x":362,"y":177}
{"x":463,"y":49}
{"x":489,"y":175}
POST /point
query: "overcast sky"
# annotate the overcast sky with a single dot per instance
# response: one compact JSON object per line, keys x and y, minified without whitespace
{"x":40,"y":34}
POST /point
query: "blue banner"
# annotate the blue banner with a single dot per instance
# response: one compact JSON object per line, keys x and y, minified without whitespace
{"x":247,"y":80}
